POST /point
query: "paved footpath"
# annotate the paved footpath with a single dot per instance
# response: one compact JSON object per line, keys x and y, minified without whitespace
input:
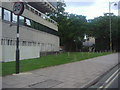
{"x":72,"y":75}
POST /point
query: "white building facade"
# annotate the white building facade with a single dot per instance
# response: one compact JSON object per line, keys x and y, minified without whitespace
{"x":38,"y":33}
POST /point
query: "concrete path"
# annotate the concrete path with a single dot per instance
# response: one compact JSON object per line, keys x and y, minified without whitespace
{"x":72,"y":75}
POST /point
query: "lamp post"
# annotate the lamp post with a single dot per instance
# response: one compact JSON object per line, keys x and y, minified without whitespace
{"x":110,"y":3}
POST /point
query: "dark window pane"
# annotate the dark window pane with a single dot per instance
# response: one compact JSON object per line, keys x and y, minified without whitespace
{"x":32,"y":10}
{"x":24,"y":43}
{"x":40,"y":27}
{"x":21,"y":18}
{"x":36,"y":12}
{"x":14,"y":18}
{"x":36,"y":25}
{"x":7,"y":15}
{"x":8,"y":42}
{"x":27,"y":7}
{"x":32,"y":23}
{"x":0,"y":12}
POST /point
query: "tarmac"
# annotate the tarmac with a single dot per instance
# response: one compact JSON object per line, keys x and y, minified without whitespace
{"x":71,"y":75}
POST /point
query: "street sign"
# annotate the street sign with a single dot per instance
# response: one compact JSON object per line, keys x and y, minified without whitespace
{"x":18,"y":8}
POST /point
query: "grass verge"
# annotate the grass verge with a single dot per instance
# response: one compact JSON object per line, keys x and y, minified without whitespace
{"x":46,"y":61}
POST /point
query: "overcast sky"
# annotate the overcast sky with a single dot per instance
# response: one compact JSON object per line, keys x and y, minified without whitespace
{"x":90,"y":8}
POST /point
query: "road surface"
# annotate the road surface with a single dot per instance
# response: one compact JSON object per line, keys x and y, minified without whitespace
{"x":110,"y":80}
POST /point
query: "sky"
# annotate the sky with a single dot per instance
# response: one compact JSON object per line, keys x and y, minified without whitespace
{"x":90,"y":8}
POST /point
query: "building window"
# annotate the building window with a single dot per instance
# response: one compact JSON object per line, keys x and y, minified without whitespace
{"x":29,"y":43}
{"x":14,"y":41}
{"x":11,"y":42}
{"x":34,"y":43}
{"x":8,"y":42}
{"x":38,"y":44}
{"x":39,"y":14}
{"x":7,"y":15}
{"x":27,"y":22}
{"x":21,"y":18}
{"x":27,"y":7}
{"x":2,"y":41}
{"x":32,"y":10}
{"x":24,"y":43}
{"x":41,"y":27}
{"x":0,"y":12}
{"x":36,"y":25}
{"x":32,"y":23}
{"x":14,"y":18}
{"x":36,"y":12}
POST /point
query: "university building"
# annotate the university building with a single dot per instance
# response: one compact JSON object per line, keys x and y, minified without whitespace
{"x":38,"y":32}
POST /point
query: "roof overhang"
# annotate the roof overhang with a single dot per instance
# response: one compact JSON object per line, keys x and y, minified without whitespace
{"x":44,"y":6}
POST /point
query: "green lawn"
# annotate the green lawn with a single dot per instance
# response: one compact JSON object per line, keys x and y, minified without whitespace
{"x":46,"y":61}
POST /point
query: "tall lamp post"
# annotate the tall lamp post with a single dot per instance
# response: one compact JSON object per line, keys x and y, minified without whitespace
{"x":110,"y":3}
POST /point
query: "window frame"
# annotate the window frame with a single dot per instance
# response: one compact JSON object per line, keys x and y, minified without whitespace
{"x":33,"y":24}
{"x":21,"y":19}
{"x":29,"y":22}
{"x":3,"y":13}
{"x":36,"y":25}
{"x":0,"y":12}
{"x":13,"y":18}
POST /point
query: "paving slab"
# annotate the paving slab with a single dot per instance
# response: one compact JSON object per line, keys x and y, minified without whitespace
{"x":71,"y":75}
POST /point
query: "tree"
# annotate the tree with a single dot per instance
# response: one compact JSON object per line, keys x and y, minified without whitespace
{"x":71,"y":28}
{"x":99,"y":28}
{"x":74,"y":32}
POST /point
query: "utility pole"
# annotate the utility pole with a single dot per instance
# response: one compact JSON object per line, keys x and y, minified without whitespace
{"x":110,"y":24}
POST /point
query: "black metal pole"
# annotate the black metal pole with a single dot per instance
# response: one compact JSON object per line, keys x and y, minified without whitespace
{"x":17,"y":47}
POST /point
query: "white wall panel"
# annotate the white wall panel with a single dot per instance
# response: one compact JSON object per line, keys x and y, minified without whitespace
{"x":48,"y":42}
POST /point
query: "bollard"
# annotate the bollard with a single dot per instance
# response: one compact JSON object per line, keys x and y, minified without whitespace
{"x":75,"y":58}
{"x":93,"y":53}
{"x":56,"y":53}
{"x":82,"y":54}
{"x":68,"y":55}
{"x":88,"y":54}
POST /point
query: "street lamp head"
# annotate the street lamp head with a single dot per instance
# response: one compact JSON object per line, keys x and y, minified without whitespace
{"x":115,"y":4}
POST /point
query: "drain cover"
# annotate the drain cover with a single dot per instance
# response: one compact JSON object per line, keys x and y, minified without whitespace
{"x":46,"y":84}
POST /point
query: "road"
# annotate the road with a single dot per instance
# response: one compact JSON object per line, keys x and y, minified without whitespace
{"x":110,"y":80}
{"x":115,"y":82}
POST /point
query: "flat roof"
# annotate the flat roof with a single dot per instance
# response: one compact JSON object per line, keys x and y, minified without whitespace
{"x":43,"y":7}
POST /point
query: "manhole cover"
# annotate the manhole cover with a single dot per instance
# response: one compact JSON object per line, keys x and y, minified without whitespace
{"x":46,"y":84}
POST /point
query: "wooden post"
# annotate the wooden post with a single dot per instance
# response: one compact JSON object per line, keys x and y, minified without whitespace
{"x":88,"y":54}
{"x":75,"y":59}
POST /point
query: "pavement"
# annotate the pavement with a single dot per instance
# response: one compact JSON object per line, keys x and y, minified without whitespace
{"x":71,"y":75}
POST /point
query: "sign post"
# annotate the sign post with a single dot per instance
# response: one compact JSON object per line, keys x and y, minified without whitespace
{"x":18,"y":9}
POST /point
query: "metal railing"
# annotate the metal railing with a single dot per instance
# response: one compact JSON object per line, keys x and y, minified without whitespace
{"x":42,"y":15}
